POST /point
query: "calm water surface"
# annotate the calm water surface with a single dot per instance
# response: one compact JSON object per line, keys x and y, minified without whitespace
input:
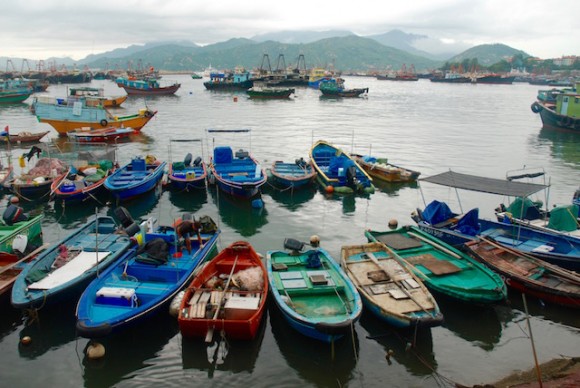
{"x":480,"y":129}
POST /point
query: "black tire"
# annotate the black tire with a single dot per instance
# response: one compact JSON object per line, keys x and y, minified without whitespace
{"x":536,"y":108}
{"x":148,"y":114}
{"x":114,"y":102}
{"x":104,"y":123}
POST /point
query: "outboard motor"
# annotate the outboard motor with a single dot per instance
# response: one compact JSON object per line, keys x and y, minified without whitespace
{"x":300,"y":162}
{"x":351,"y":180}
{"x":197,"y":161}
{"x":187,"y":160}
{"x":576,"y":197}
{"x":123,"y":216}
{"x":13,"y":214}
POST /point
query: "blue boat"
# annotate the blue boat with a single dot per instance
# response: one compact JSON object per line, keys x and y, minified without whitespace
{"x":189,"y":174}
{"x":313,"y":293}
{"x":337,"y":171}
{"x":455,"y":229}
{"x":237,"y":174}
{"x":238,"y":80}
{"x":68,"y":265}
{"x":140,"y":283}
{"x":135,"y":178}
{"x":292,"y":175}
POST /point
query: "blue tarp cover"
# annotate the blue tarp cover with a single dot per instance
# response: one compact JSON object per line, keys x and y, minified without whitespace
{"x":469,"y":223}
{"x":369,"y":159}
{"x":437,"y":212}
{"x":222,"y":155}
{"x":339,"y":162}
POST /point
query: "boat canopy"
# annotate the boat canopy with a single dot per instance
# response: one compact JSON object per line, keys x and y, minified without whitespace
{"x":485,"y":185}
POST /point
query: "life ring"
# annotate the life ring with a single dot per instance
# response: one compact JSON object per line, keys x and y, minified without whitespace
{"x":104,"y":123}
{"x":114,"y":103}
{"x":148,"y":114}
{"x":536,"y":108}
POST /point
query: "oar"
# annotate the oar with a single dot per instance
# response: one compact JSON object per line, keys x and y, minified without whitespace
{"x":27,"y":257}
{"x":60,"y":183}
{"x":209,"y":334}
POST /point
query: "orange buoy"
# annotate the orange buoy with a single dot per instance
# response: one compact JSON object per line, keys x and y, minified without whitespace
{"x":329,"y":189}
{"x":26,"y":340}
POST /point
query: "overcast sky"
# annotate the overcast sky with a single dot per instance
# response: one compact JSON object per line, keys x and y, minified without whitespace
{"x":38,"y":29}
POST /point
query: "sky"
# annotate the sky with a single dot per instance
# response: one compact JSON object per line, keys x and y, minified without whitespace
{"x":40,"y":29}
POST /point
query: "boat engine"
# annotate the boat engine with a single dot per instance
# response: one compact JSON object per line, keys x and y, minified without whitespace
{"x":13,"y":214}
{"x":351,"y":180}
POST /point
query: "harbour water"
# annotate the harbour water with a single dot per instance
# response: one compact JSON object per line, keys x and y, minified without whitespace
{"x":430,"y":127}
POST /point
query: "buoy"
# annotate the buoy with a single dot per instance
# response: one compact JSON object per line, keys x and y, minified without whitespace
{"x":95,"y":351}
{"x":175,"y":303}
{"x":329,"y":189}
{"x":26,"y":340}
{"x":235,"y":99}
{"x":314,"y":241}
{"x":393,"y":223}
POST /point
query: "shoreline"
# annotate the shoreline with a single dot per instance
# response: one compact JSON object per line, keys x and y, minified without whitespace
{"x":559,"y":372}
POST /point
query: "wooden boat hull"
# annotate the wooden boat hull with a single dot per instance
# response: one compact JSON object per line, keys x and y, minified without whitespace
{"x":100,"y":135}
{"x":343,"y":92}
{"x":387,"y":172}
{"x":237,"y":322}
{"x":11,"y":266}
{"x":113,"y":102}
{"x":96,"y":241}
{"x":327,"y":161}
{"x":319,"y":302}
{"x":553,"y":120}
{"x":442,"y":268}
{"x":161,"y":91}
{"x":25,"y":138}
{"x":126,"y":183}
{"x":388,"y":289}
{"x":136,"y":122}
{"x":101,"y":309}
{"x":529,"y":275}
{"x":94,"y":191}
{"x":32,"y":229}
{"x":270,"y":94}
{"x":35,"y":191}
{"x":13,"y":98}
{"x":291,"y":175}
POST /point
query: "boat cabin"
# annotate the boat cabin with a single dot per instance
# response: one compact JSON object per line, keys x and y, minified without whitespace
{"x":568,"y":104}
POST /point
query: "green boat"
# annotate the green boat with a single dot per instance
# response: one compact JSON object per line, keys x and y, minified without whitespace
{"x":442,"y":268}
{"x":31,"y":229}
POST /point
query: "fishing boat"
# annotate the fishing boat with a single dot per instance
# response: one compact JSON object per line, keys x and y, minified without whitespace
{"x":237,"y":80}
{"x":11,"y":265}
{"x":238,"y":173}
{"x":67,"y":266}
{"x":388,"y":289}
{"x":23,"y":137}
{"x":135,"y":178}
{"x":141,"y":283}
{"x":563,"y":115}
{"x":262,"y":93}
{"x":94,"y":135}
{"x":189,"y":174}
{"x":337,"y":171}
{"x":92,"y":164}
{"x":443,"y":269}
{"x":497,"y":79}
{"x":529,"y":275}
{"x":337,"y":89}
{"x":382,"y":170}
{"x":36,"y":183}
{"x":402,"y":75}
{"x":313,"y":293}
{"x":196,"y":76}
{"x":228,"y":295}
{"x":99,"y":95}
{"x":12,"y":91}
{"x":15,"y":224}
{"x":77,"y":112}
{"x":292,"y":175}
{"x":452,"y":78}
{"x":146,"y":87}
{"x":319,"y":75}
{"x":456,"y":229}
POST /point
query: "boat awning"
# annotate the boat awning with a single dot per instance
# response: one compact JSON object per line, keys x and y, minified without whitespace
{"x":485,"y":185}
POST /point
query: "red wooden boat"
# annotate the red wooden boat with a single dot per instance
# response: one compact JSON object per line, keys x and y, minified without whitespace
{"x":229,"y":294}
{"x":24,"y":137}
{"x":90,"y":135}
{"x":11,"y":265}
{"x":529,"y":275}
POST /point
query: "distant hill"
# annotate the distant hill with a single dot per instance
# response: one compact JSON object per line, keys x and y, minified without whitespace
{"x":296,"y":37}
{"x":488,"y":54}
{"x":349,"y":53}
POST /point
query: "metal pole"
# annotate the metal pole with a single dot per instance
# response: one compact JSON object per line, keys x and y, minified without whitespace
{"x":538,"y":371}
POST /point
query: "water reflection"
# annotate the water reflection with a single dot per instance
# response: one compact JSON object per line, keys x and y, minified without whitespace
{"x":414,"y":350}
{"x":537,"y":308}
{"x":140,"y":207}
{"x":52,"y":328}
{"x":313,"y":360}
{"x":477,"y":324}
{"x":564,"y":145}
{"x":188,"y":201}
{"x":11,"y":317}
{"x":241,"y":355}
{"x":291,"y":199}
{"x":239,"y":213}
{"x":392,"y":188}
{"x":129,"y":351}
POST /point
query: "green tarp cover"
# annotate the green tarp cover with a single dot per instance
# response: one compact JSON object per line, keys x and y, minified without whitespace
{"x":564,"y":218}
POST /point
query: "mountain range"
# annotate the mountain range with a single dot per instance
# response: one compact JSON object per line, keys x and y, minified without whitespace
{"x":341,"y":50}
